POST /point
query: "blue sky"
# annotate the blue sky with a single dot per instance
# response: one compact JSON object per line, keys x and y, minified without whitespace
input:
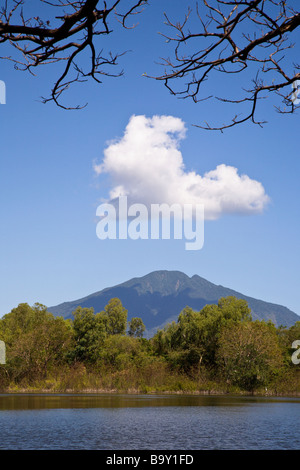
{"x":49,"y":250}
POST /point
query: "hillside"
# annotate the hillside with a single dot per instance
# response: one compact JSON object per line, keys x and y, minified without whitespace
{"x":160,"y":296}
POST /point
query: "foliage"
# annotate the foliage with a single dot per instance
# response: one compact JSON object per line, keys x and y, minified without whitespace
{"x":287,"y":336}
{"x":115,"y":316}
{"x":249,"y":354}
{"x":217,"y":348}
{"x":136,"y":327}
{"x":198,"y":332}
{"x":35,"y":340}
{"x":89,"y":334}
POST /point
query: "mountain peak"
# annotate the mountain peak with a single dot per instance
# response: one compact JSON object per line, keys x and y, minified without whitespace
{"x":159,"y":296}
{"x":164,"y":282}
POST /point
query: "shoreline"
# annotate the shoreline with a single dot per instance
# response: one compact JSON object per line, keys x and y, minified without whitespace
{"x":133,"y":392}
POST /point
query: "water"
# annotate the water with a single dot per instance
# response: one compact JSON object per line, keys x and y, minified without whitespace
{"x":137,"y":422}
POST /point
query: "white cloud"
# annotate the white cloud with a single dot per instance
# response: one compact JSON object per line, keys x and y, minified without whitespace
{"x":146,"y":165}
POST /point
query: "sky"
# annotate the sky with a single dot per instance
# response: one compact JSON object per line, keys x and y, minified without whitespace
{"x":136,"y":139}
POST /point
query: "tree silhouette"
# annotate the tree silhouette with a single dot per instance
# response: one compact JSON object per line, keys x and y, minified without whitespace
{"x":232,"y":36}
{"x":62,"y":38}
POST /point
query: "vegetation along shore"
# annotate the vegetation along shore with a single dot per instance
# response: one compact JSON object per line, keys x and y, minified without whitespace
{"x":216,"y":350}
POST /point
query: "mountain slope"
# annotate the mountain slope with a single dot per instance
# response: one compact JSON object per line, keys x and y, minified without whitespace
{"x":160,"y":296}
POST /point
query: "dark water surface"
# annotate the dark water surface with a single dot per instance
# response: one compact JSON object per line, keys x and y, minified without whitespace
{"x":170,"y":422}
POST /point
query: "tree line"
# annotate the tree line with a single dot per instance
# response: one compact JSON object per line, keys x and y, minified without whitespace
{"x":219,"y":348}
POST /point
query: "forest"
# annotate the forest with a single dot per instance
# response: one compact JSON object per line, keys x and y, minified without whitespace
{"x":219,"y":349}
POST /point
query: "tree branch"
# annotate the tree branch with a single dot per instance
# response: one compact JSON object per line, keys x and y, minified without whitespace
{"x":240,"y":33}
{"x":62,"y":38}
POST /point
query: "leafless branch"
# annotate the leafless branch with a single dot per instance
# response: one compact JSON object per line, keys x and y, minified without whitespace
{"x":234,"y":36}
{"x":62,"y":39}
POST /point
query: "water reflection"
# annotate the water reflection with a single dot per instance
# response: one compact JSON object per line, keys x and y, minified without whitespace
{"x":55,"y":401}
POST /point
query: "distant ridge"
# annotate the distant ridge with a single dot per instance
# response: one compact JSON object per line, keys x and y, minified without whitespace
{"x":159,"y":297}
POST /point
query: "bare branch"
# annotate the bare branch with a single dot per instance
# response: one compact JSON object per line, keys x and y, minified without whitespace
{"x":240,"y":34}
{"x":62,"y":38}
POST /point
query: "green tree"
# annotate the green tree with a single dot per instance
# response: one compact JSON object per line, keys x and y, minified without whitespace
{"x":195,"y":335}
{"x":115,"y":317}
{"x":229,"y":311}
{"x":89,"y":334}
{"x":249,"y":354}
{"x":234,"y":309}
{"x":201,"y":330}
{"x":136,"y":327}
{"x":120,"y":352}
{"x":35,"y":341}
{"x":286,"y":338}
{"x":189,"y":337}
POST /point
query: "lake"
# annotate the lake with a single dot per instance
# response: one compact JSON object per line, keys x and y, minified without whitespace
{"x":137,"y":422}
